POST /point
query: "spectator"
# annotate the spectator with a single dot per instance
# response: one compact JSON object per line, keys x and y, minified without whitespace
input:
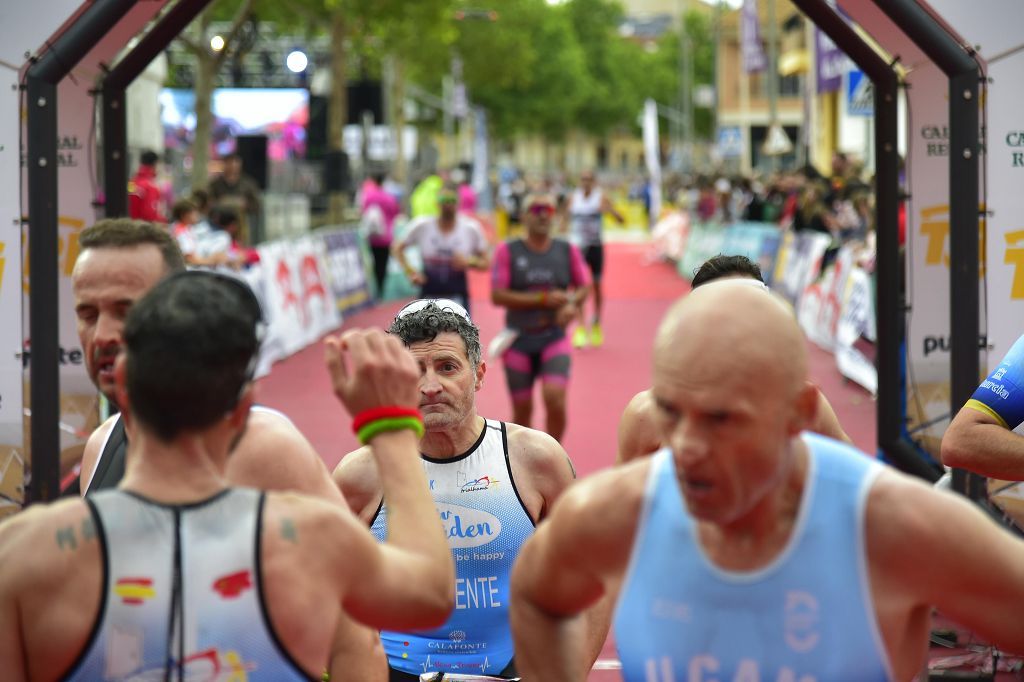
{"x":234,"y":189}
{"x":376,"y":198}
{"x":144,"y":198}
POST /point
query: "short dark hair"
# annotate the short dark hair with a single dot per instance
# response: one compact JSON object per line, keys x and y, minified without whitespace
{"x":192,"y":344}
{"x":425,"y":324}
{"x":201,"y":198}
{"x":222,"y":216}
{"x":124,"y":233}
{"x":721,"y":266}
{"x":149,"y":158}
{"x":182,"y":207}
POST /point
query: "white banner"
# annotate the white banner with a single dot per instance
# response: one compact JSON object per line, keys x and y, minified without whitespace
{"x":301,"y":305}
{"x":821,"y":303}
{"x":855,"y":331}
{"x":1005,"y":224}
{"x":928,"y":397}
{"x":652,"y":155}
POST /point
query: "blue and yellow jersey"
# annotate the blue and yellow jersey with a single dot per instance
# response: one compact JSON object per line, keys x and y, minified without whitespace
{"x":1001,"y":395}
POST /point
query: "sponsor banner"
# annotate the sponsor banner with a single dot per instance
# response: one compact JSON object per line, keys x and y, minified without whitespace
{"x":705,"y":241}
{"x":754,"y":57}
{"x":769,"y":254}
{"x":287,"y":320}
{"x":856,"y":332}
{"x":928,"y":328}
{"x":830,"y":63}
{"x":801,"y":265}
{"x":1004,"y":174}
{"x":821,"y":303}
{"x":314,"y":288}
{"x":346,"y":269}
{"x":270,"y":350}
{"x":669,"y":236}
{"x":748,"y":239}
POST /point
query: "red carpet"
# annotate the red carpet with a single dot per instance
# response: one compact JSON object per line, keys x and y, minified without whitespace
{"x":603,"y":380}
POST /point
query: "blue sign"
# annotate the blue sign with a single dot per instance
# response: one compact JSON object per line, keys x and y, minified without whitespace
{"x":730,"y":142}
{"x":860,"y":94}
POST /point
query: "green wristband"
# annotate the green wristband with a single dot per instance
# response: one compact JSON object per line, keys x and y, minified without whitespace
{"x":378,"y":426}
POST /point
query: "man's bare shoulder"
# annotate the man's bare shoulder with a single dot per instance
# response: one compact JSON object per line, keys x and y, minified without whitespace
{"x":589,"y":502}
{"x":637,"y":428}
{"x":358,"y":479}
{"x":907,"y":519}
{"x":274,"y":455}
{"x":535,"y":449}
{"x":29,"y":539}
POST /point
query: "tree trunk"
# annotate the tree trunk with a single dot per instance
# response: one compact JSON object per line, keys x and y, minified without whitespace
{"x":337,"y":108}
{"x":399,"y":169}
{"x":205,"y":77}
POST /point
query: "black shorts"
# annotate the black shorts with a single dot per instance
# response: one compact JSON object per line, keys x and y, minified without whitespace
{"x":594,"y":256}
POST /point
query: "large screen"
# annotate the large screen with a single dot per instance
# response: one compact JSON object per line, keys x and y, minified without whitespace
{"x":279,"y":113}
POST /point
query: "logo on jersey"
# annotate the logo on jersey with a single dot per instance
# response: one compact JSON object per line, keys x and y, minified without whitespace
{"x":467,"y":527}
{"x":134,"y":591}
{"x":457,"y":635}
{"x":233,"y":584}
{"x":482,"y":483}
{"x":801,"y":621}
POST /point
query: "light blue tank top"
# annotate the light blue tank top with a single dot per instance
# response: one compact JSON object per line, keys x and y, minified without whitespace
{"x":486,"y":523}
{"x":808,"y":616}
{"x":182,"y":593}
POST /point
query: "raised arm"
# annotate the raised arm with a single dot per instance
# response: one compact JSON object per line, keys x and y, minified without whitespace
{"x":410,"y":580}
{"x":274,"y":455}
{"x":566,"y":568}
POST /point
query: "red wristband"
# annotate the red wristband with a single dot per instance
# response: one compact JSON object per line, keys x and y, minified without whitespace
{"x":375,"y":413}
{"x":544,"y":298}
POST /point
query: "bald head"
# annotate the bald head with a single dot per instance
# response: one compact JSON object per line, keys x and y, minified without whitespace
{"x":732,"y":326}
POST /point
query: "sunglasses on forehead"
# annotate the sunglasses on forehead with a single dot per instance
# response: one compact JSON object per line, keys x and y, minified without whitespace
{"x":541,"y":209}
{"x":445,"y":304}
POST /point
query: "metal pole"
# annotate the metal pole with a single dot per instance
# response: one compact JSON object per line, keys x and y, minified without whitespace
{"x":964,"y":149}
{"x":44,"y":303}
{"x":888,"y":295}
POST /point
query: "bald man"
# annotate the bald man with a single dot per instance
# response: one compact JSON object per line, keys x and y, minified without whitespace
{"x":638,"y":433}
{"x":747,"y":548}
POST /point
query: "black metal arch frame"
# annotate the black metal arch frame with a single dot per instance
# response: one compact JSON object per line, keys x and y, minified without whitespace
{"x":934,"y":41}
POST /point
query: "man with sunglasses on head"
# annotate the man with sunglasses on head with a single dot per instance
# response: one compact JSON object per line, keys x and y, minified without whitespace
{"x":178,"y":574}
{"x":491,"y":481}
{"x":449,"y":244}
{"x":120,"y":261}
{"x":542,"y":282}
{"x":587,"y":207}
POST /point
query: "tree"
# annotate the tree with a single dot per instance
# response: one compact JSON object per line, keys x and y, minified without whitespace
{"x":527,"y":68}
{"x":209,"y":62}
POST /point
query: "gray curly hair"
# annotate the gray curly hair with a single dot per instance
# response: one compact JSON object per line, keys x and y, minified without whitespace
{"x":430,"y":320}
